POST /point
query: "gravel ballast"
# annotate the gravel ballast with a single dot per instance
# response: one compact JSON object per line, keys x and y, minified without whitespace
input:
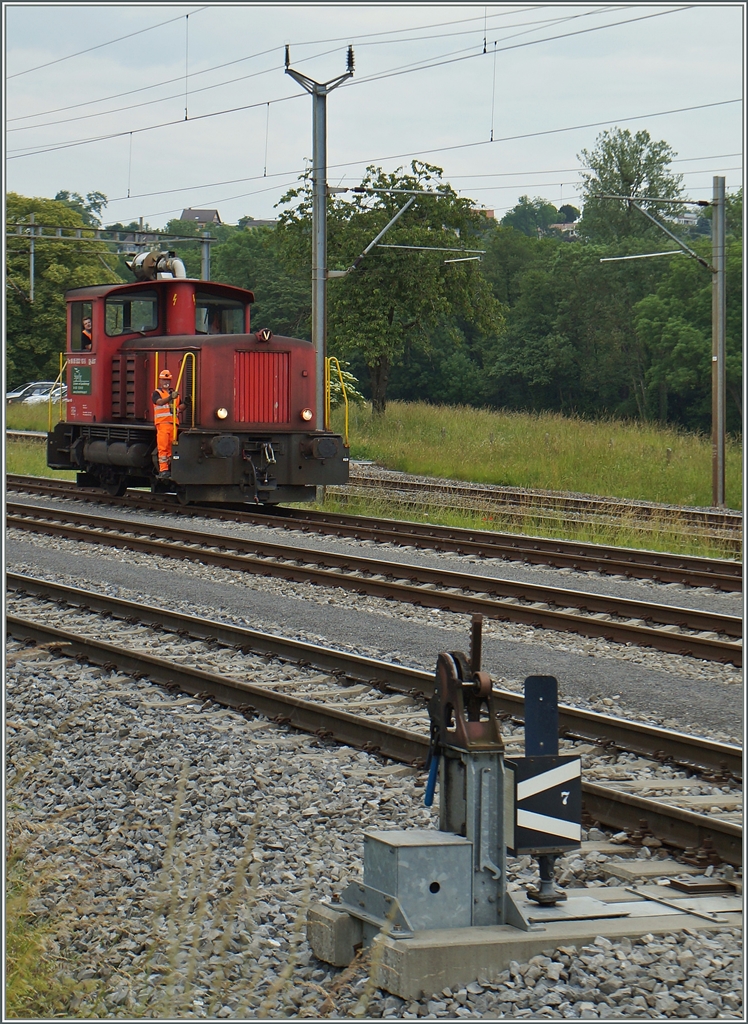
{"x":174,"y":847}
{"x":693,"y":694}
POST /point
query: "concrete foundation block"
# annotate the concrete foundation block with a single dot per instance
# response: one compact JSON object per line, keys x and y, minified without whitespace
{"x":452,"y":957}
{"x":334,"y":936}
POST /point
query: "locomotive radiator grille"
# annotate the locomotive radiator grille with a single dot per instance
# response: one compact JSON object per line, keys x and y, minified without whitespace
{"x":263,"y":387}
{"x":117,"y":387}
{"x":123,"y":390}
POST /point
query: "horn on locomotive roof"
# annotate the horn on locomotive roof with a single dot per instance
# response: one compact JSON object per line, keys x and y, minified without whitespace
{"x":152,"y":266}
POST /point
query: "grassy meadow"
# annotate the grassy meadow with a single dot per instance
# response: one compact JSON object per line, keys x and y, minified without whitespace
{"x":544,"y":450}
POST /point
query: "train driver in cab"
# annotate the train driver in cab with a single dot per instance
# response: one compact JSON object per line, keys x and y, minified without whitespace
{"x":164,"y":400}
{"x":86,"y":335}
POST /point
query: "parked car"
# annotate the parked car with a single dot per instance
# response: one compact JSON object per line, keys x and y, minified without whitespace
{"x":20,"y":393}
{"x":43,"y":394}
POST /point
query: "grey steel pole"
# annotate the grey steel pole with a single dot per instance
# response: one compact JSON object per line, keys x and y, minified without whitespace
{"x":31,"y":259}
{"x":319,"y":91}
{"x":205,"y":268}
{"x":319,"y":243}
{"x":719,"y":316}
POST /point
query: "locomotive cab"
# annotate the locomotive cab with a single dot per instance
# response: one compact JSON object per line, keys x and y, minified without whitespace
{"x":245,"y":427}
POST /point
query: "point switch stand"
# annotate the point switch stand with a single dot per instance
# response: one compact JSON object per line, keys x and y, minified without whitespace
{"x":434,"y":905}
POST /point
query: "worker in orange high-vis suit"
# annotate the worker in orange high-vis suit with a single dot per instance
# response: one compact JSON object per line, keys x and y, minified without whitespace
{"x":163,"y":417}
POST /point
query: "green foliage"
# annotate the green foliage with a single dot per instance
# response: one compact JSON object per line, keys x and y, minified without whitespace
{"x":623,"y":164}
{"x":89,"y":209}
{"x":674,"y":326}
{"x":395,"y":298}
{"x":531,"y":217}
{"x":36,"y":330}
{"x":570,"y":214}
{"x":255,"y":260}
{"x":351,"y":384}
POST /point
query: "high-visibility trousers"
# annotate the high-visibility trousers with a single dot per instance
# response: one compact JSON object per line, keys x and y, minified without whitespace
{"x":164,"y":438}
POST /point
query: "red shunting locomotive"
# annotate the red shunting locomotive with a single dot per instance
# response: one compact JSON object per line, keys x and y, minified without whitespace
{"x":245,"y":428}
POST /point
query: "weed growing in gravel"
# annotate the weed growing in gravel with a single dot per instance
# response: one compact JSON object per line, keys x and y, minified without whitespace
{"x":284,"y":978}
{"x":38,"y":978}
{"x":663,"y":534}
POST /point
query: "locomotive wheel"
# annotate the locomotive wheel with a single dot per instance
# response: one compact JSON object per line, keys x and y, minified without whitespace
{"x":182,"y":497}
{"x":116,"y":488}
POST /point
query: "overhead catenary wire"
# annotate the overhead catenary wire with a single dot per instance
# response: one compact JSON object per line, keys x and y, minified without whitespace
{"x":186,"y":60}
{"x":361,"y":41}
{"x":397,"y":156}
{"x":406,"y":69}
{"x":99,"y":46}
{"x":532,"y":42}
{"x":453,"y":177}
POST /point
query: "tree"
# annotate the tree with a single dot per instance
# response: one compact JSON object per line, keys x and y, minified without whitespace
{"x":36,"y":330}
{"x":253,"y":259}
{"x":395,"y":298}
{"x":531,"y":217}
{"x":674,"y":324}
{"x":569,"y":213}
{"x":89,"y":209}
{"x":623,"y":164}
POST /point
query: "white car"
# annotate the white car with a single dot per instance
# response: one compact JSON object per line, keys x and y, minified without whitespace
{"x":19,"y":394}
{"x":43,"y":394}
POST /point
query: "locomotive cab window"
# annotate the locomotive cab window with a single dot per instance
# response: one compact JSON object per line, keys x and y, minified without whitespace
{"x":81,"y":333}
{"x":215,"y":315}
{"x":131,"y":314}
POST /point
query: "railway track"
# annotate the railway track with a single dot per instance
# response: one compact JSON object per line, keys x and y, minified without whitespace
{"x":722,"y":574}
{"x":519,"y":504}
{"x":706,"y":635}
{"x":390,"y":717}
{"x":552,"y":507}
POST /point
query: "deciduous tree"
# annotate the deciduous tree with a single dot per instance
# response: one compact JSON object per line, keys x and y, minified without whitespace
{"x":36,"y":330}
{"x":396,"y":297}
{"x":623,"y":164}
{"x":531,"y":216}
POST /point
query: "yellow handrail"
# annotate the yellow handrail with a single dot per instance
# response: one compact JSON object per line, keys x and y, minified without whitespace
{"x":192,"y":395}
{"x":328,"y":366}
{"x":58,"y":381}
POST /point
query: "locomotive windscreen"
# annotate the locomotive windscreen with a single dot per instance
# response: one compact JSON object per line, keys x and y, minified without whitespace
{"x":263,"y":387}
{"x":127,"y":313}
{"x":216,"y":315}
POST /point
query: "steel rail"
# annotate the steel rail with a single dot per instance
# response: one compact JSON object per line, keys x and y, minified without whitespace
{"x":531,"y":500}
{"x":528,"y":501}
{"x":693,"y":752}
{"x":282,"y":708}
{"x":674,"y":826}
{"x":664,"y":567}
{"x":369,"y":734}
{"x":463,"y":593}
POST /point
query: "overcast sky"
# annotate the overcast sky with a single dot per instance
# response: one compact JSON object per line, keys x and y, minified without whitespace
{"x":551,"y":79}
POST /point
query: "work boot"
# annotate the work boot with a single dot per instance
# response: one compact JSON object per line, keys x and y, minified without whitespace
{"x":164,"y":474}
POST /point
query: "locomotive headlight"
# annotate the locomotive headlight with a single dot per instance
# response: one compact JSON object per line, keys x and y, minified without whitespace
{"x":306,"y":415}
{"x":222,"y":413}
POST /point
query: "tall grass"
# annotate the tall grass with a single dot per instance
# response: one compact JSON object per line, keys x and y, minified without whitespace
{"x":28,"y":458}
{"x":546,"y":451}
{"x":30,"y":417}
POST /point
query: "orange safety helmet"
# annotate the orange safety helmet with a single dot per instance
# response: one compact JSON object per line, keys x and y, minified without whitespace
{"x":165,"y":375}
